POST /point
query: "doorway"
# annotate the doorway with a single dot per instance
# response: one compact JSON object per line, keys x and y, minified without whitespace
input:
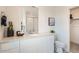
{"x":74,"y":30}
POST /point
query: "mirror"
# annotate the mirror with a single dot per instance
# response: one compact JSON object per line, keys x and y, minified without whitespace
{"x":32,"y":20}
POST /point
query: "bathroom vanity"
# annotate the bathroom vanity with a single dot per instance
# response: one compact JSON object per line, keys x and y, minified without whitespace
{"x":32,"y":43}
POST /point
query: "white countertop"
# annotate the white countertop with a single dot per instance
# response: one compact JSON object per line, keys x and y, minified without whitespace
{"x":28,"y":36}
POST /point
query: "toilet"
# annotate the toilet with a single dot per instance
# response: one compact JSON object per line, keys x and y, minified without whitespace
{"x":60,"y":47}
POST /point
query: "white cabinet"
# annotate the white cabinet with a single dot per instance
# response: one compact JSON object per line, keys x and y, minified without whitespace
{"x":9,"y":46}
{"x":38,"y":45}
{"x":15,"y":50}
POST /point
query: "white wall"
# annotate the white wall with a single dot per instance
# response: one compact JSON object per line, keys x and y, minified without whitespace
{"x":62,"y":21}
{"x":31,"y":11}
{"x":2,"y":9}
{"x":44,"y":13}
{"x":15,"y":14}
{"x":63,"y":25}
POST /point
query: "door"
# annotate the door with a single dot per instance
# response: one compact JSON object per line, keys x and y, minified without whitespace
{"x":43,"y":44}
{"x":9,"y":46}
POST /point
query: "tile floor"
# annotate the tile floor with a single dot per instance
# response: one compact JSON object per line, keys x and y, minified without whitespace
{"x":74,"y":48}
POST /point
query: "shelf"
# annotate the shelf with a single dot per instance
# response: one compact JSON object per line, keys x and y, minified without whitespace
{"x":75,"y":19}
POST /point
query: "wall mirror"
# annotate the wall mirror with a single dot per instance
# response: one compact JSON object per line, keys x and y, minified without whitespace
{"x":32,"y":20}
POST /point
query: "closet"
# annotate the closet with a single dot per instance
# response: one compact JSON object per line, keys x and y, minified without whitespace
{"x":74,"y":25}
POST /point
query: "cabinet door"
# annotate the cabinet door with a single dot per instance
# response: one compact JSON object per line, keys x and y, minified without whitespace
{"x":15,"y":50}
{"x":28,"y":45}
{"x":9,"y":46}
{"x":38,"y":45}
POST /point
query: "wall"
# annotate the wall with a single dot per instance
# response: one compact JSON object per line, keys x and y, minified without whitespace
{"x":15,"y":14}
{"x":31,"y":11}
{"x":62,"y":21}
{"x":44,"y":13}
{"x":2,"y":9}
{"x":63,"y":25}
